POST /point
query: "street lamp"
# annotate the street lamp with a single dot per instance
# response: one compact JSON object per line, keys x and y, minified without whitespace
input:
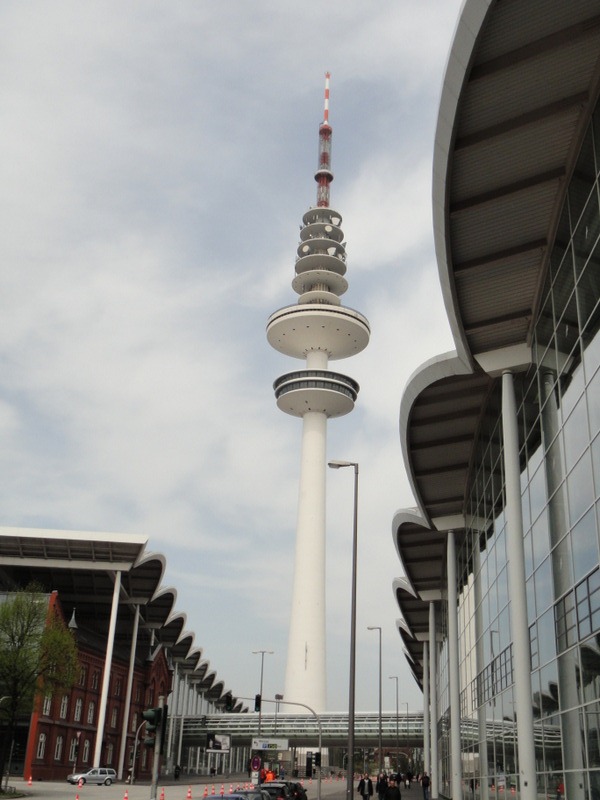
{"x":407,"y":745}
{"x":262,"y":667}
{"x":395,"y":678}
{"x":352,"y":689}
{"x":377,"y":628}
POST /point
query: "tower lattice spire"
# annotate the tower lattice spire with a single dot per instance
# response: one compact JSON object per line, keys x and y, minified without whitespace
{"x":324,"y":175}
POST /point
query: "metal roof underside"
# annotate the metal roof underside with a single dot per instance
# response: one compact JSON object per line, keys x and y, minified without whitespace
{"x":521,"y":83}
{"x":81,"y":566}
{"x":523,"y":107}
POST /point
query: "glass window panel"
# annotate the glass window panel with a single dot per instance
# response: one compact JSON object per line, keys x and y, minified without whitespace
{"x":528,"y":554}
{"x":571,"y":387}
{"x":540,"y":539}
{"x":591,"y":354}
{"x":531,"y":609}
{"x":502,"y":589}
{"x":537,"y":493}
{"x":547,"y":640}
{"x":593,"y":397}
{"x":583,"y":180}
{"x":544,"y":329}
{"x":588,"y":292}
{"x":576,"y":435}
{"x":592,"y":726}
{"x":567,"y":328}
{"x":581,"y":488}
{"x":568,"y":668}
{"x":544,"y":592}
{"x":584,"y":545}
{"x":587,"y":230}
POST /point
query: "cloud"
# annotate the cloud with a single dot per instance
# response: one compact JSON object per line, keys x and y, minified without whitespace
{"x":156,"y":166}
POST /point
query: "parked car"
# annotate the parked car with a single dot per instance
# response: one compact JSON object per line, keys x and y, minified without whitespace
{"x":277,"y":790}
{"x":252,"y":794}
{"x":297,"y":791}
{"x":103,"y":776}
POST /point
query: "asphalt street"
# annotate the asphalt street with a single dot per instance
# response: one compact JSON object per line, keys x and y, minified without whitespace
{"x":191,"y":787}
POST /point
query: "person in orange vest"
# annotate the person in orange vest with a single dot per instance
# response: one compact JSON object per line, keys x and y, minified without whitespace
{"x":270,"y":775}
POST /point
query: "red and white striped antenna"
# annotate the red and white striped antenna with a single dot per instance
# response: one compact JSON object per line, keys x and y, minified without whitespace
{"x":324,"y":175}
{"x":326,"y":112}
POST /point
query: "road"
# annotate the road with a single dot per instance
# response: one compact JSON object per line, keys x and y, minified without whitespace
{"x":193,"y":787}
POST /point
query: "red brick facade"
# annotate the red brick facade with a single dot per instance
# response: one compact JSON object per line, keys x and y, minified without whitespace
{"x":63,"y":729}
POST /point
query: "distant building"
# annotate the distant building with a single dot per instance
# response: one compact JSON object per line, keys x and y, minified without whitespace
{"x":133,"y":648}
{"x":63,"y":729}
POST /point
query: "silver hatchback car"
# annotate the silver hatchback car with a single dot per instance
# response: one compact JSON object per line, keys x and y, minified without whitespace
{"x":103,"y":776}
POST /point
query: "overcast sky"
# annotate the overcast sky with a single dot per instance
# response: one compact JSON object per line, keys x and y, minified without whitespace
{"x":157,"y":158}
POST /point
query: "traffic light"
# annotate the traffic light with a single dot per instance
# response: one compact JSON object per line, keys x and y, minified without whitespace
{"x":228,"y":702}
{"x":163,"y":728}
{"x":153,"y":717}
{"x":257,"y":700}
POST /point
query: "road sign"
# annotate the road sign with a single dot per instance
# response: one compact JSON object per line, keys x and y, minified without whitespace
{"x":255,"y":763}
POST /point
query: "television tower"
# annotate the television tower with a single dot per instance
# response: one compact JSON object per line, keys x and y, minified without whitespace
{"x":317,"y":329}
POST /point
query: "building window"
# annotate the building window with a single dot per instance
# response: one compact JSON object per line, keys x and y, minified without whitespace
{"x":134,"y":722}
{"x":138,"y":693}
{"x":58,"y":748}
{"x":41,"y":748}
{"x":83,"y":676}
{"x":47,"y":705}
{"x":114,"y":717}
{"x":78,"y":709}
{"x":64,"y":705}
{"x":73,"y":750}
{"x":118,"y":687}
{"x":91,"y":710}
{"x":85,"y":757}
{"x":109,"y":753}
{"x":95,"y":679}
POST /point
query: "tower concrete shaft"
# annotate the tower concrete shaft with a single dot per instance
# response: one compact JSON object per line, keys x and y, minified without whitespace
{"x":318,"y":329}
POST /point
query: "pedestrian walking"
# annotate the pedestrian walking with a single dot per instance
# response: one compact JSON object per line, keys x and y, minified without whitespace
{"x":381,"y":785}
{"x":426,"y":786}
{"x":393,"y":790}
{"x":365,"y":787}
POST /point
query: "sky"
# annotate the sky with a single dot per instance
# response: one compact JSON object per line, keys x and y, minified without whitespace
{"x":157,"y":158}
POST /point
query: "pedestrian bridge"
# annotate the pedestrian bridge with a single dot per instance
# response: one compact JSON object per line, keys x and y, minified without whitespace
{"x":302,"y":730}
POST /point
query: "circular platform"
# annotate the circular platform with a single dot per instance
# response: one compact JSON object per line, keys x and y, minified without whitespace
{"x":339,"y":331}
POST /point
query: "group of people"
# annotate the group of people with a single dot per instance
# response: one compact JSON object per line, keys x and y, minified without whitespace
{"x":387,"y":787}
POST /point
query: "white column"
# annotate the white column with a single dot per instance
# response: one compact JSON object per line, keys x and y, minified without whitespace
{"x":305,"y":678}
{"x":110,"y":642}
{"x":172,"y":715}
{"x":127,"y":706}
{"x":453,"y":674}
{"x":183,"y":711}
{"x":517,"y":592}
{"x":426,"y":717}
{"x":433,"y":704}
{"x":562,"y":567}
{"x":479,"y":664}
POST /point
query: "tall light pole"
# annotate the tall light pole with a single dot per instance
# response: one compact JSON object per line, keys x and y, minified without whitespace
{"x":352,"y":688}
{"x":409,"y":750}
{"x":262,"y":667}
{"x":378,"y":628}
{"x":395,"y":678}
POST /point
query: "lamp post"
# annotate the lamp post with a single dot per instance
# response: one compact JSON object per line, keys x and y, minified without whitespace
{"x":378,"y":628}
{"x":352,"y":689}
{"x":262,"y":667}
{"x":395,"y":678}
{"x":407,"y":745}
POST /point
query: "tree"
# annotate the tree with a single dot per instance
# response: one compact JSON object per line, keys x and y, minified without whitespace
{"x":38,"y":656}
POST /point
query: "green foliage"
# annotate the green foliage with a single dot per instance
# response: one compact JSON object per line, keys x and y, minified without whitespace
{"x":38,"y":654}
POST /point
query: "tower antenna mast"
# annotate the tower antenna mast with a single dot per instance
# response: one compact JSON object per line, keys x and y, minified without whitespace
{"x":324,"y":175}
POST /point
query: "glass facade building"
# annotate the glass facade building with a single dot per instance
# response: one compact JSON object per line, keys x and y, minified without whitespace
{"x":517,"y":618}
